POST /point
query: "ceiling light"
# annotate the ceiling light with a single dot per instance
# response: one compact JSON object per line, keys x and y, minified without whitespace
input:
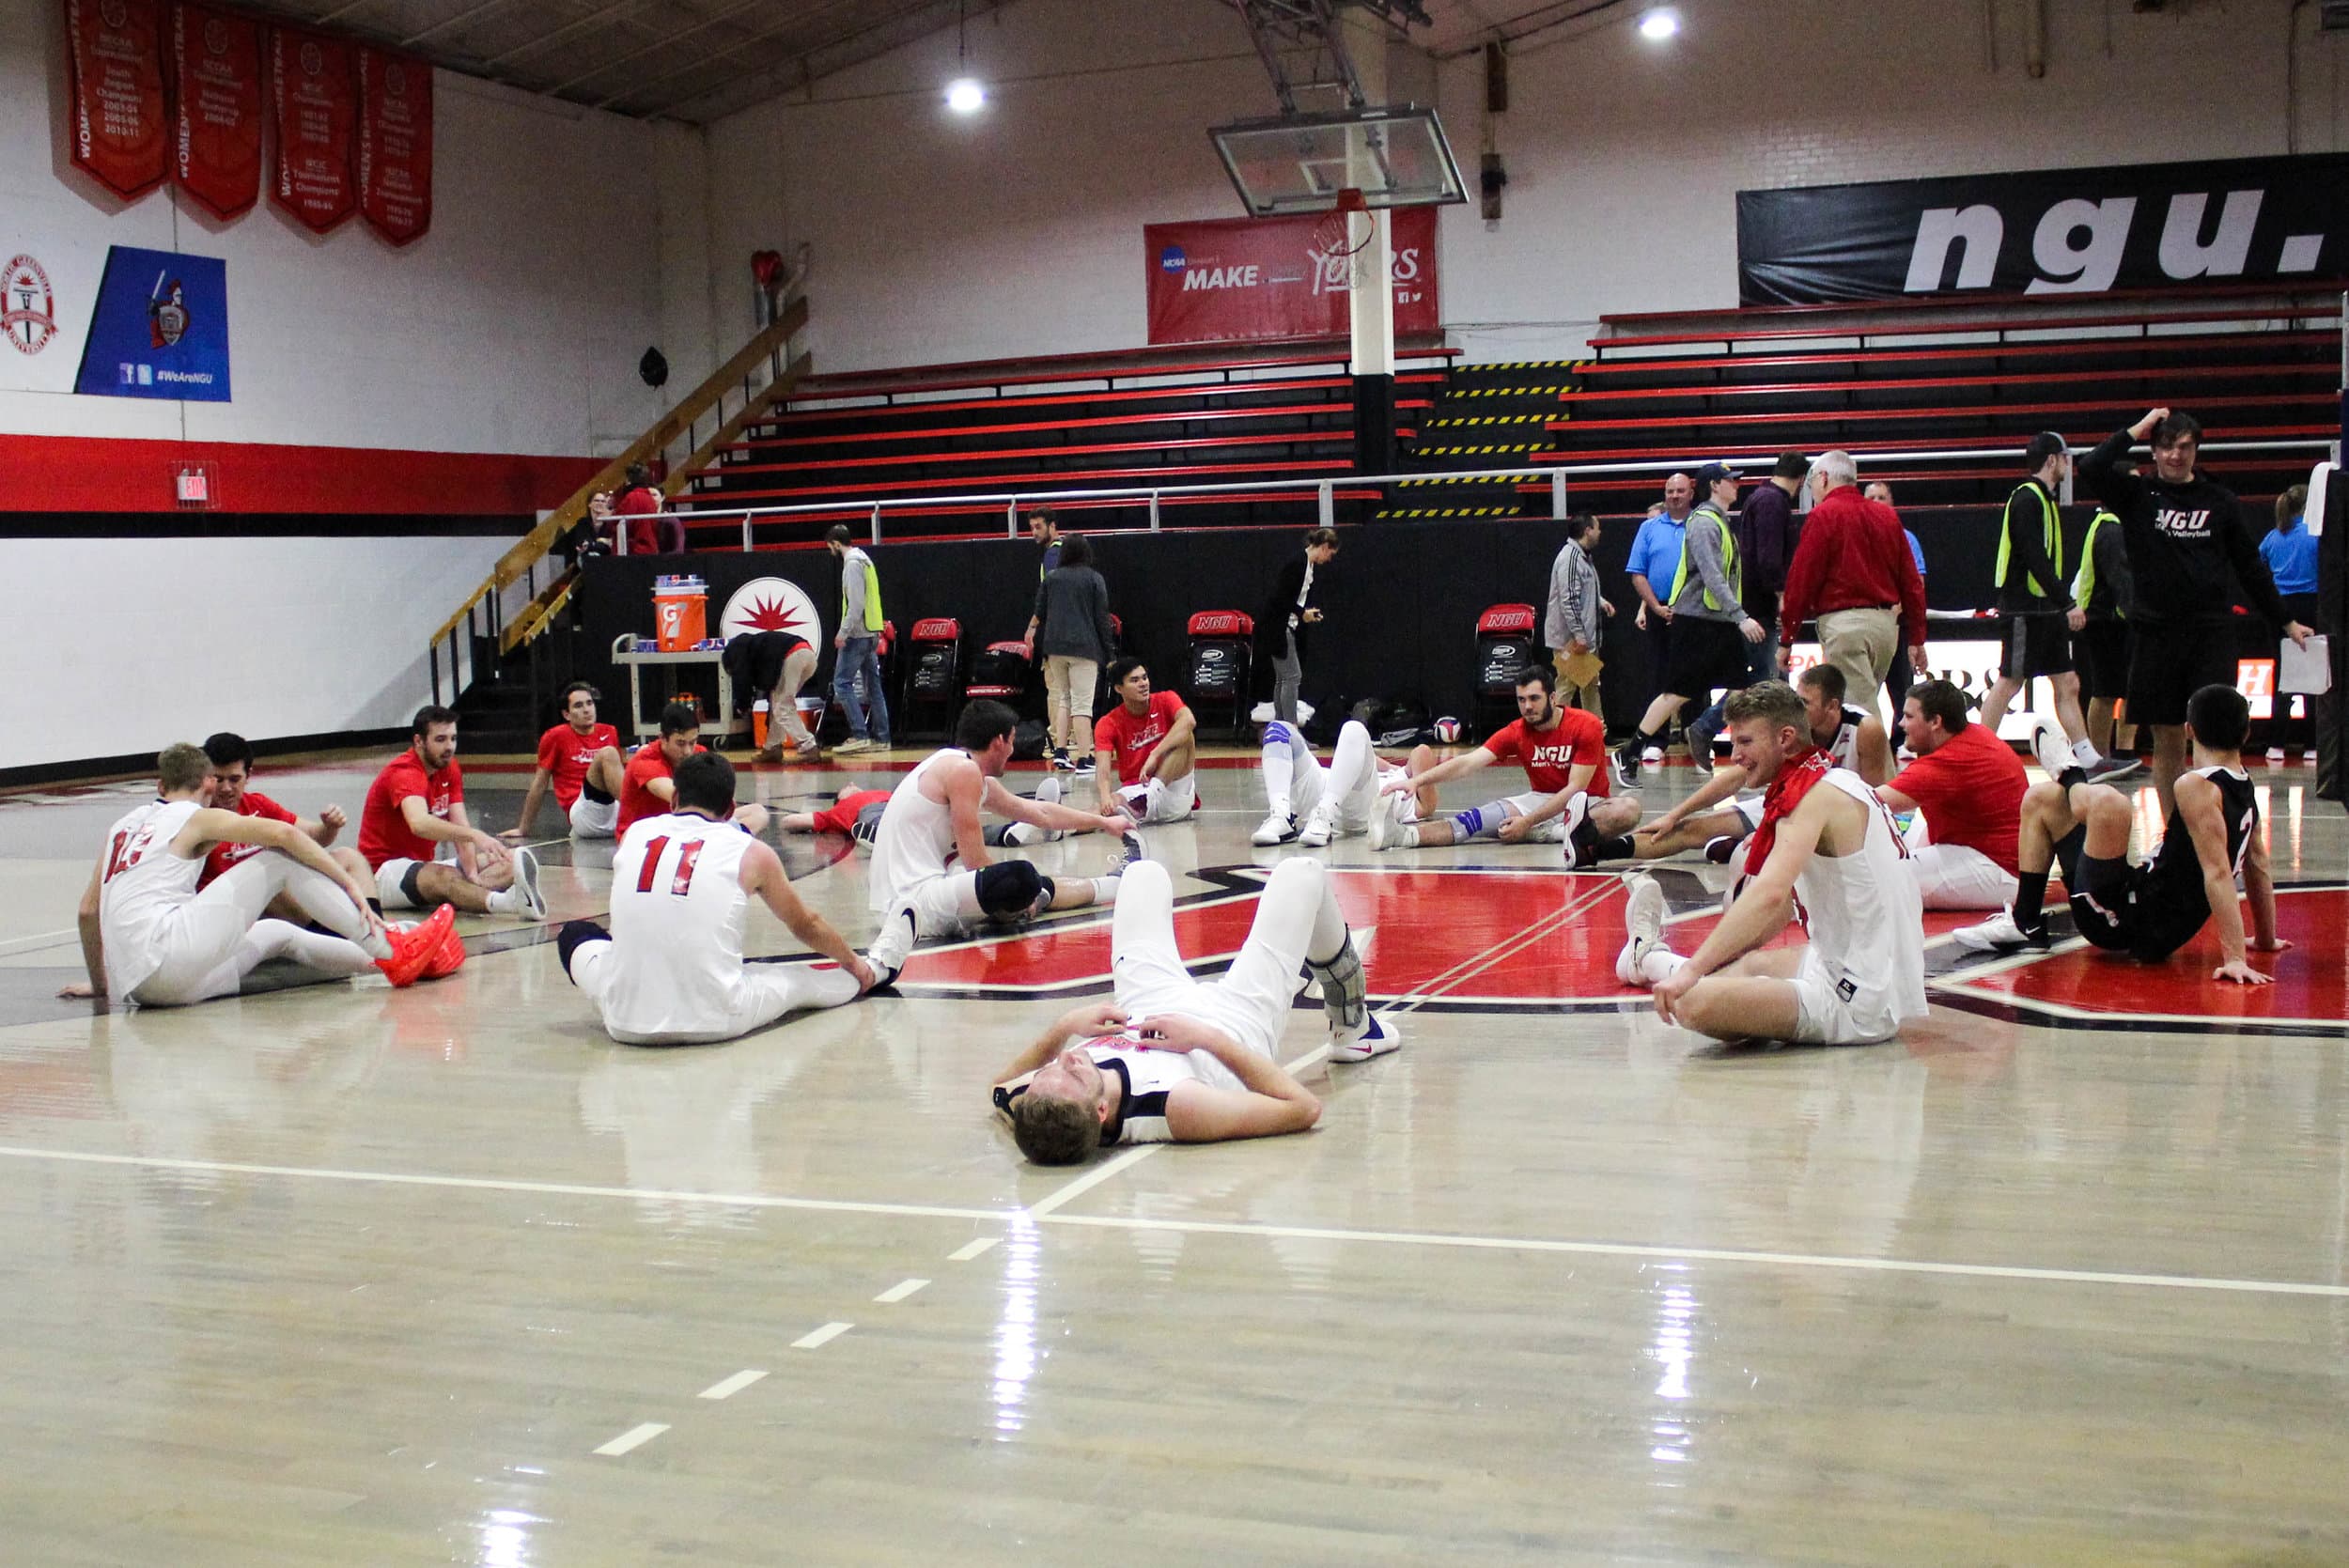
{"x":1659,"y":24}
{"x":964,"y":95}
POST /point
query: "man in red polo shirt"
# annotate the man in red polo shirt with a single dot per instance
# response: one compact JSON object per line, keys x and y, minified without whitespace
{"x":1147,"y":743}
{"x":417,"y":804}
{"x":1967,"y":787}
{"x":1852,"y":570}
{"x":1564,"y":752}
{"x":649,"y":787}
{"x":581,"y":760}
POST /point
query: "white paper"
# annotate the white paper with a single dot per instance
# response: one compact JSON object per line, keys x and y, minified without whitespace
{"x":2308,"y":669}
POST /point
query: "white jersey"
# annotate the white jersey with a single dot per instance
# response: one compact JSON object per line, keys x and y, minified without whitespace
{"x":1844,"y":748}
{"x":915,"y":839}
{"x":677,"y":908}
{"x":1149,"y":1076}
{"x":142,"y":886}
{"x":1863,"y":912}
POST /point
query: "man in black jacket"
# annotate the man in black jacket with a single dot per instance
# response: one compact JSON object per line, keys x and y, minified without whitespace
{"x":2183,"y":532}
{"x":1280,"y":628}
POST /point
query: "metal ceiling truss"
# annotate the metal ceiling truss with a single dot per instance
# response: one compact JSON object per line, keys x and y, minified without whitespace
{"x":1302,"y":44}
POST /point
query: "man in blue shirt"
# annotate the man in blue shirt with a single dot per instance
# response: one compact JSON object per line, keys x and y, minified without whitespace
{"x":2290,"y":553}
{"x":1656,"y":558}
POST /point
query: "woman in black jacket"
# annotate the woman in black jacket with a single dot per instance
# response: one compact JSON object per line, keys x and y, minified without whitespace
{"x":1280,"y":628}
{"x":1074,"y":638}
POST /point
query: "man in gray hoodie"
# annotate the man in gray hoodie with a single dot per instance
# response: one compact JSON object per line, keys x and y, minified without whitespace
{"x":1570,"y":627}
{"x":1710,"y":627}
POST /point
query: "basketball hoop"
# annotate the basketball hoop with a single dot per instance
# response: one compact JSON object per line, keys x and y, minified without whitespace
{"x":1333,"y":236}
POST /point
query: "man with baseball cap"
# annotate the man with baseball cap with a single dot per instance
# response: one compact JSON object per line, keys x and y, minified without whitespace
{"x":1710,"y":626}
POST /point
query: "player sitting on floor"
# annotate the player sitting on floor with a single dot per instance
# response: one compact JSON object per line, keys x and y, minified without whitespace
{"x":2148,"y":912}
{"x":1146,"y":742}
{"x":932,"y":875}
{"x":231,"y":757}
{"x":670,"y":970}
{"x":1312,"y":805}
{"x":1967,"y":789}
{"x":647,"y":785}
{"x":417,"y":807}
{"x":582,"y":760}
{"x":1181,"y":1059}
{"x":150,"y":938}
{"x":1825,"y":852}
{"x":1564,"y":751}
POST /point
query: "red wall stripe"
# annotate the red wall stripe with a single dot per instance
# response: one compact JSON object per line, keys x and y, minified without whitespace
{"x":76,"y":473}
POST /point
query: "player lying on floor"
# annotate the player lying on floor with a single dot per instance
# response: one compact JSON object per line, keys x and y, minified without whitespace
{"x":1309,"y":804}
{"x":1175,"y":1059}
{"x":1825,"y":852}
{"x":670,"y":969}
{"x":858,"y":813}
{"x":2149,"y":911}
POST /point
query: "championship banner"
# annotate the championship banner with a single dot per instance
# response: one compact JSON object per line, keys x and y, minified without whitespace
{"x":216,"y":118}
{"x":160,"y":328}
{"x":1232,"y":278}
{"x":395,"y":145}
{"x":115,"y":70}
{"x":314,"y":100}
{"x":2056,"y":231}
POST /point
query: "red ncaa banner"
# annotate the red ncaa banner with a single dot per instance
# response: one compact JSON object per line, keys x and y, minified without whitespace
{"x":216,"y":122}
{"x":114,"y":63}
{"x":395,"y":145}
{"x":315,"y":103}
{"x":1227,"y":278}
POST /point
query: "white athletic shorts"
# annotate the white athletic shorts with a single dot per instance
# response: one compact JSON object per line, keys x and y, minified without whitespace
{"x":1551,"y":831}
{"x":594,"y":818}
{"x":1748,"y":807}
{"x":1838,"y":1007}
{"x":1160,"y":799}
{"x":938,"y":905}
{"x":1952,"y":877}
{"x":762,"y":994}
{"x":388,"y":877}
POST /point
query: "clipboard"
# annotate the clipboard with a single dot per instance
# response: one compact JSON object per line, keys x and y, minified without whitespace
{"x":2307,"y":670}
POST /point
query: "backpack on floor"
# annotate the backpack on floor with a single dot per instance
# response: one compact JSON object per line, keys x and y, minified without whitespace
{"x":1028,"y":739}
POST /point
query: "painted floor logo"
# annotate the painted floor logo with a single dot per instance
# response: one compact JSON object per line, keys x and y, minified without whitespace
{"x":28,"y":307}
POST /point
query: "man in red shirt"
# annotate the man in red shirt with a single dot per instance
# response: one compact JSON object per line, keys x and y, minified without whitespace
{"x":649,"y":787}
{"x":231,"y":757}
{"x":1147,"y":744}
{"x":1564,"y":752}
{"x":417,"y":805}
{"x":842,"y":816}
{"x":1853,"y":570}
{"x":1967,"y":787}
{"x":581,"y":759}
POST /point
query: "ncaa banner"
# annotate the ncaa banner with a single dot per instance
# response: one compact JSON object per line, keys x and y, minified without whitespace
{"x":160,"y":328}
{"x":395,"y":145}
{"x":314,"y":100}
{"x":1224,"y":279}
{"x":2053,"y":231}
{"x":216,"y":118}
{"x":115,"y":88}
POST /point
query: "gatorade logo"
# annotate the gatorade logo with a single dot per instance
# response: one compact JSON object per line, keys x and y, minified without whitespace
{"x":1172,"y":259}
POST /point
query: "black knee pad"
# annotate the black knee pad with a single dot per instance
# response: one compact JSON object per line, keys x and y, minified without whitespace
{"x":1009,"y":887}
{"x":409,"y":881}
{"x":587,"y":787}
{"x":575,"y":935}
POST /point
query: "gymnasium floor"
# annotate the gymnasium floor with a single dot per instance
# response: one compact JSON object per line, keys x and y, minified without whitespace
{"x":340,"y":1275}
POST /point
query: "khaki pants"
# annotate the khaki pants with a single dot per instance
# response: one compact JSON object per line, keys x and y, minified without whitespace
{"x":1577,"y":680}
{"x":1861,"y":643}
{"x":1068,"y":687}
{"x":782,"y":702}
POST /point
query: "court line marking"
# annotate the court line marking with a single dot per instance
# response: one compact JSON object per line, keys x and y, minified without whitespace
{"x":899,"y":1291}
{"x":634,"y":1437}
{"x":726,"y":1387}
{"x":972,"y":1248}
{"x":814,"y":1338}
{"x":1091,"y":1178}
{"x":1215,"y":1227}
{"x":38,"y":941}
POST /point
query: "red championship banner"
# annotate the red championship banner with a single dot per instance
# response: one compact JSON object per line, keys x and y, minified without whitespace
{"x":114,"y":63}
{"x":395,"y":145}
{"x":216,"y":117}
{"x":1229,"y":278}
{"x":315,"y":98}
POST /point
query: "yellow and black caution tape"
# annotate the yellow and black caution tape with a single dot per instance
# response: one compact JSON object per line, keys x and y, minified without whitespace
{"x":1490,"y":365}
{"x":1476,"y":451}
{"x":1497,"y":479}
{"x":1449,"y":512}
{"x":1449,"y":421}
{"x":1503,"y":391}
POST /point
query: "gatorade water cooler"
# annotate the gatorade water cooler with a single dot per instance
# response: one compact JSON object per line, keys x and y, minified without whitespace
{"x":680,"y":613}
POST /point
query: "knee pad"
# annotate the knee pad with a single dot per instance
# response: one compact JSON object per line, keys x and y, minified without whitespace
{"x":575,"y":935}
{"x":1343,"y":987}
{"x":1277,"y":734}
{"x":1009,"y":888}
{"x":409,"y":881}
{"x":600,"y":796}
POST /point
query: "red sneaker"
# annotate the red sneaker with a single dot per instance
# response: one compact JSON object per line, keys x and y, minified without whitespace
{"x":449,"y":959}
{"x":414,"y":950}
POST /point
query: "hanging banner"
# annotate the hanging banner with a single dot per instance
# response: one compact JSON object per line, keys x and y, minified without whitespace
{"x":160,"y":328}
{"x":315,"y":101}
{"x":115,"y":70}
{"x":216,"y":115}
{"x":1231,"y":278}
{"x":2051,"y":231}
{"x":395,"y":145}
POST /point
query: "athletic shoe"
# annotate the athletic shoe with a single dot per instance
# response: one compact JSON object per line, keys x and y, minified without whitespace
{"x":854,"y":744}
{"x":1319,"y":827}
{"x":1048,"y":790}
{"x":807,"y":751}
{"x":2047,"y":745}
{"x":1129,"y":850}
{"x":1653,"y":756}
{"x":1625,"y":764}
{"x":1386,"y":821}
{"x":2000,"y":933}
{"x":893,"y":944}
{"x":526,"y":880}
{"x":448,"y":960}
{"x":414,"y":949}
{"x":1277,"y":828}
{"x":1377,"y":1036}
{"x":1643,"y":917}
{"x":772,"y":752}
{"x":1723,"y":847}
{"x":1582,"y":838}
{"x":2109,"y":769}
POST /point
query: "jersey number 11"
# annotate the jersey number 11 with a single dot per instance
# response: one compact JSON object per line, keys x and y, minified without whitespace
{"x":688,"y":854}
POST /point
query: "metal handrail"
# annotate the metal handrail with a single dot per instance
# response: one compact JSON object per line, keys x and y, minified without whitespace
{"x":1325,"y":489}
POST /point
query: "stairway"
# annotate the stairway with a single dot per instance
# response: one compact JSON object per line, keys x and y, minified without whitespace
{"x":1496,"y":416}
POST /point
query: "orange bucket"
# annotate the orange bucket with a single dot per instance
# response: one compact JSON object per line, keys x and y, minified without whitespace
{"x":680,"y":613}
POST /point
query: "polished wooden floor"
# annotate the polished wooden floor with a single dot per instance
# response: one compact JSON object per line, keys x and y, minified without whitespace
{"x":344,"y":1276}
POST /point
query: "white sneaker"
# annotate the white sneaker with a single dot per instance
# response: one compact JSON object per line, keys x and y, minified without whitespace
{"x":1643,"y":917}
{"x":1653,"y":756}
{"x":1999,"y":934}
{"x":1129,"y":850}
{"x":2047,"y":745}
{"x":1581,"y":844}
{"x":1377,"y":1036}
{"x":1277,"y":828}
{"x":1047,"y":789}
{"x":527,"y":883}
{"x":1319,"y":828}
{"x":1386,"y":821}
{"x":893,"y":944}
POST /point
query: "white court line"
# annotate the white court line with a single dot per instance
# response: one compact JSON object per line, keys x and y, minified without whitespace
{"x":970,"y":1249}
{"x":1210,"y":1227}
{"x":821,"y":1337}
{"x":726,"y":1387}
{"x":38,"y":939}
{"x":634,"y":1437}
{"x":1091,"y":1178}
{"x":899,"y":1291}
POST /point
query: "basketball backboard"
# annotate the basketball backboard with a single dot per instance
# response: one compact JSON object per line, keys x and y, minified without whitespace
{"x":1395,"y":157}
